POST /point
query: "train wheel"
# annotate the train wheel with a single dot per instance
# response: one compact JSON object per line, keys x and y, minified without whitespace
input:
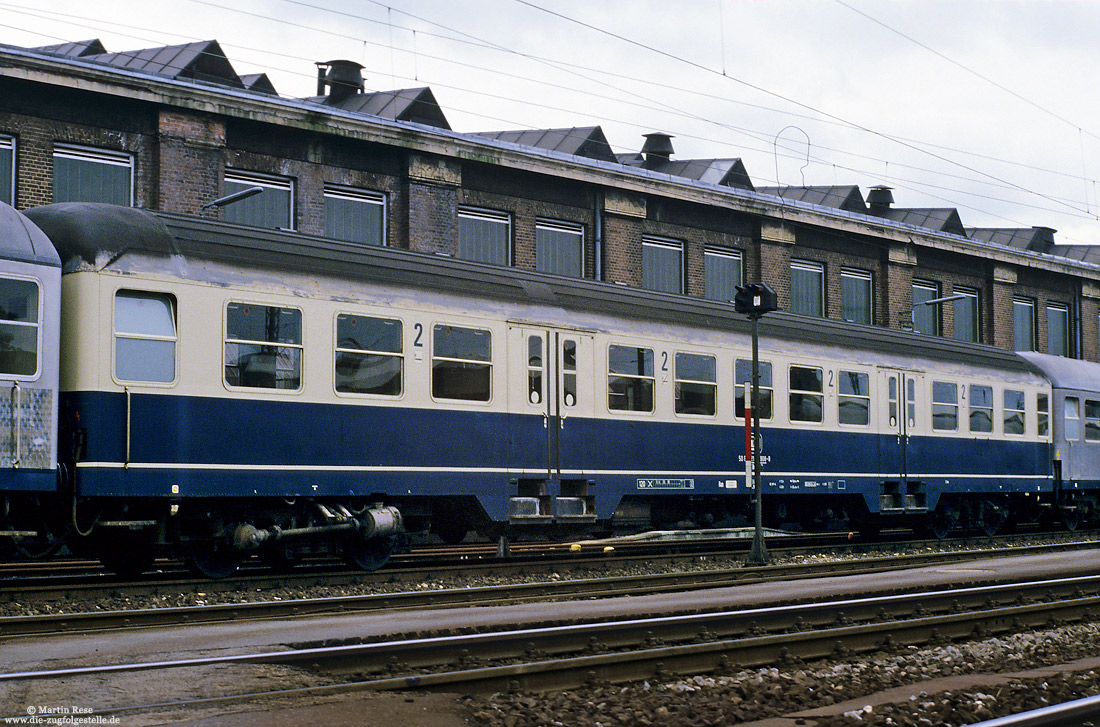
{"x":990,"y":518}
{"x":1071,"y":518}
{"x":451,"y":532}
{"x":126,"y":553}
{"x":34,"y":516}
{"x":212,"y":558}
{"x":939,"y":525}
{"x":370,"y":554}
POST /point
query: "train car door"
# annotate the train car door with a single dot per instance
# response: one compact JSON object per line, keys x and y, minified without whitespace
{"x":550,"y":403}
{"x":902,"y":491}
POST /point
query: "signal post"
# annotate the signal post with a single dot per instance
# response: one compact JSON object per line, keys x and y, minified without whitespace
{"x":754,"y":300}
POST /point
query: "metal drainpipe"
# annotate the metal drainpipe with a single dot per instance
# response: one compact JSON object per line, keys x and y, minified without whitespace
{"x":598,"y":241}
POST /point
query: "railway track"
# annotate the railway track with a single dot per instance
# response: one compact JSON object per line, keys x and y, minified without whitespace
{"x":77,"y":582}
{"x":571,"y":656}
{"x":579,"y":588}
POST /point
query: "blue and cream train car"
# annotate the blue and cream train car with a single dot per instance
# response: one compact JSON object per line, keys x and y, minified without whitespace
{"x":227,"y":390}
{"x":30,"y":320}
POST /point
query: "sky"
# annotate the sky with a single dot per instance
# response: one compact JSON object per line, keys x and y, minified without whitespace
{"x":987,"y":106}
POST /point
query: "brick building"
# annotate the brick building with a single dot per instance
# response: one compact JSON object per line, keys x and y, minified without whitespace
{"x":177,"y":128}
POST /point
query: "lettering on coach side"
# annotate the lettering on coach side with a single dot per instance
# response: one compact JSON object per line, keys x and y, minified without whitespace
{"x":666,"y":484}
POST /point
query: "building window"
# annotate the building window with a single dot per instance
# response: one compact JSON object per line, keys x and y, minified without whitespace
{"x":1015,"y":416}
{"x":742,"y":376}
{"x":630,"y":378}
{"x":945,"y":406}
{"x":855,"y":296}
{"x":484,"y":236}
{"x":355,"y":215}
{"x":966,"y":315}
{"x":721,"y":273}
{"x":462,"y":363}
{"x":663,"y":265}
{"x":808,"y":288}
{"x":1072,"y":418}
{"x":1023,"y":324}
{"x":272,"y":209}
{"x":926,"y":318}
{"x":1057,"y":329}
{"x":368,"y":355}
{"x":559,"y":249}
{"x":854,"y":402}
{"x":81,"y":174}
{"x":696,"y":384}
{"x":145,"y":336}
{"x":7,"y":170}
{"x":19,"y":317}
{"x":263,"y":346}
{"x":981,"y":408}
{"x":806,"y":399}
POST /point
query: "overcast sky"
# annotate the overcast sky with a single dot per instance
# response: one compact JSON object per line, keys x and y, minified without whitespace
{"x":987,"y":106}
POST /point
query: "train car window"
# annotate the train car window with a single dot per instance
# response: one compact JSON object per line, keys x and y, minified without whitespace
{"x":263,"y":346}
{"x":854,"y":402}
{"x":569,"y":372}
{"x":807,"y":403}
{"x":145,"y":336}
{"x":535,"y":393}
{"x":18,"y":327}
{"x":461,"y":363}
{"x":1092,"y":420}
{"x":742,"y":375}
{"x":1014,"y":414}
{"x":630,"y":379}
{"x":1044,"y":415}
{"x":696,"y":384}
{"x":369,"y":356}
{"x":981,"y":408}
{"x":945,"y":406}
{"x":1072,"y":419}
{"x":911,"y":401}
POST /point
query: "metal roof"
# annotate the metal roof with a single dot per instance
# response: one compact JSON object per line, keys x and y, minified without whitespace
{"x":199,"y":61}
{"x":941,"y":219}
{"x":720,"y":172}
{"x":78,"y":49}
{"x":1081,"y":253}
{"x":87,"y":233}
{"x":417,"y":105}
{"x":583,"y":141}
{"x":23,"y":241}
{"x":258,"y":82}
{"x":1036,"y":239}
{"x":846,"y":197}
{"x":1066,"y":373}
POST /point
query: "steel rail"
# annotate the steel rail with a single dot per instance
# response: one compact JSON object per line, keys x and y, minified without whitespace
{"x":587,"y":588}
{"x":1068,"y":714}
{"x":535,"y":673}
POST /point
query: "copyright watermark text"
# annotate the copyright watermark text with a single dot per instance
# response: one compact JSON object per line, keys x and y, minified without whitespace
{"x":60,"y":714}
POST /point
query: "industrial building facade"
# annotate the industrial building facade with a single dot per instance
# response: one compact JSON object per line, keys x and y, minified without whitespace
{"x":176,"y":129}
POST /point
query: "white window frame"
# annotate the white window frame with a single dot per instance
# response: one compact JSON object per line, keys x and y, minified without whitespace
{"x":7,"y":143}
{"x":727,"y":253}
{"x":971,"y":294}
{"x":366,"y":196}
{"x":933,"y":310}
{"x":570,"y":228}
{"x":173,"y":306}
{"x":300,"y":346}
{"x":862,"y":276}
{"x":485,"y":215}
{"x":95,"y":155}
{"x":267,"y":181}
{"x":1030,"y":304}
{"x":338,"y":349}
{"x":663,"y":243}
{"x":1063,"y":309}
{"x":810,"y":266}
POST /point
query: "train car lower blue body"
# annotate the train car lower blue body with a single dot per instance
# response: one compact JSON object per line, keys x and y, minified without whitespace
{"x":182,"y":447}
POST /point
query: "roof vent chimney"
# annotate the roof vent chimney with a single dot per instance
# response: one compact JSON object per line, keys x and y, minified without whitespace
{"x":657,"y":149}
{"x":879,"y":199}
{"x":343,"y":78}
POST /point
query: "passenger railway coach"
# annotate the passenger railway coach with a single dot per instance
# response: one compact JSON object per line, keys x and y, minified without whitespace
{"x":224,"y":389}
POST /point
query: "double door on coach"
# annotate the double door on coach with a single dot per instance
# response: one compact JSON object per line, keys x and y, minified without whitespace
{"x":550,"y":404}
{"x":902,"y":489}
